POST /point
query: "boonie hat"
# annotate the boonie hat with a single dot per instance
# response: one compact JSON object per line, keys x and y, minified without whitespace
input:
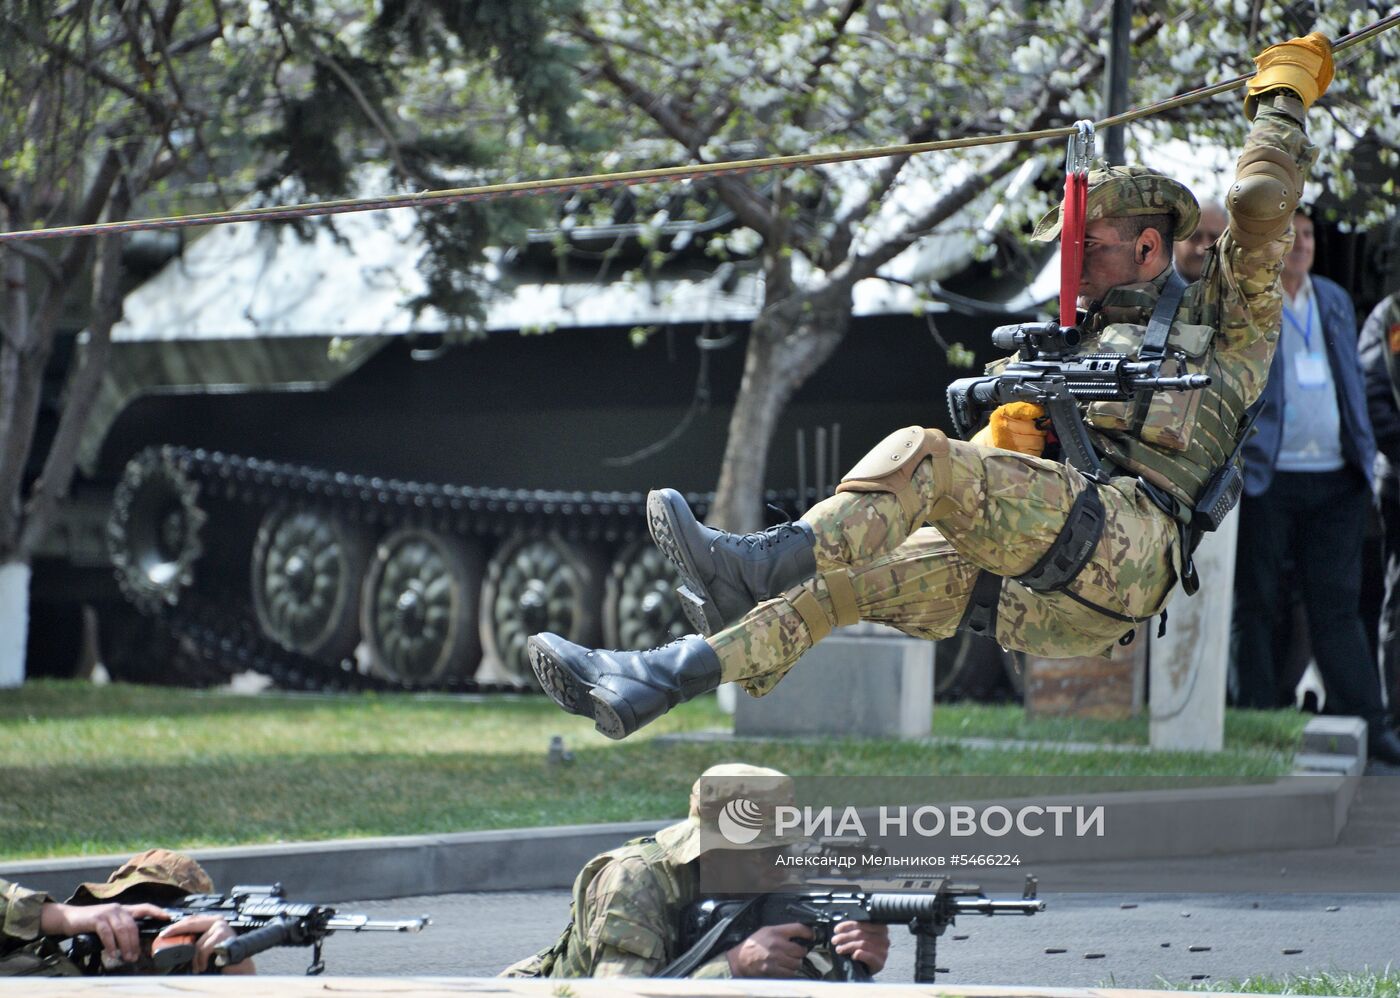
{"x":171,"y":874}
{"x":732,"y":806}
{"x":1125,"y":191}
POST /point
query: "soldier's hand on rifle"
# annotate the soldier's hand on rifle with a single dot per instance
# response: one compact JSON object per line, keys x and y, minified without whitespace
{"x":865,"y":942}
{"x":204,"y":932}
{"x":770,"y":952}
{"x":114,"y":924}
{"x":1302,"y":65}
{"x":1014,"y":426}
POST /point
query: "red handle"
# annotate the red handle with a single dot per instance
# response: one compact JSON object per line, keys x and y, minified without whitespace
{"x":1072,"y":243}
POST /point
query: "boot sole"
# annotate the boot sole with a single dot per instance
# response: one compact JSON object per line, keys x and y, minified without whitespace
{"x":699,"y":609}
{"x":576,"y":696}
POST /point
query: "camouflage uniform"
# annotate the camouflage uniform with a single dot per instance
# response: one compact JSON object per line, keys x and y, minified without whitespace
{"x":627,"y":903}
{"x":154,"y":875}
{"x":1000,"y":511}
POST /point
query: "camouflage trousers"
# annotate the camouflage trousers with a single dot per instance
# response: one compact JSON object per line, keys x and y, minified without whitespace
{"x":996,"y":510}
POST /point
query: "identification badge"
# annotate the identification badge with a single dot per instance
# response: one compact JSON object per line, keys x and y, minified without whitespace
{"x":1311,"y":369}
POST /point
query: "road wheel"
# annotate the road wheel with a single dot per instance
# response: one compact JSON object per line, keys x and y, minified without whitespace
{"x":539,"y":584}
{"x":153,"y":534}
{"x":419,"y":607}
{"x":307,"y":570}
{"x":640,"y":607}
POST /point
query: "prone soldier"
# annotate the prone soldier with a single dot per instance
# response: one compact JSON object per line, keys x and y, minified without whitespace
{"x":32,"y":924}
{"x":628,"y":904}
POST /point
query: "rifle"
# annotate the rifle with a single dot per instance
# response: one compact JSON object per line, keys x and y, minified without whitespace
{"x":262,"y":917}
{"x":713,"y":925}
{"x":1047,"y":373}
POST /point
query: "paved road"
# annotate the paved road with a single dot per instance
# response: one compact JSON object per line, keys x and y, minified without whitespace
{"x":1246,"y":909}
{"x":477,"y":935}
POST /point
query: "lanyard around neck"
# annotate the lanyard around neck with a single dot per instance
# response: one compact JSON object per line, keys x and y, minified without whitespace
{"x":1306,"y":331}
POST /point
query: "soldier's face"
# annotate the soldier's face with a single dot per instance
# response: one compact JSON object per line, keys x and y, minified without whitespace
{"x":1109,"y":260}
{"x":1190,"y":254}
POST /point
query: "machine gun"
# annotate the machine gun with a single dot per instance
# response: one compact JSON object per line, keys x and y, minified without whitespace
{"x":261,"y":916}
{"x":713,"y":925}
{"x":1048,"y":373}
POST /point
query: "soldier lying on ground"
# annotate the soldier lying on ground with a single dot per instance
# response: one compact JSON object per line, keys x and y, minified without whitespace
{"x":626,"y":912}
{"x":32,"y":924}
{"x":1022,"y":547}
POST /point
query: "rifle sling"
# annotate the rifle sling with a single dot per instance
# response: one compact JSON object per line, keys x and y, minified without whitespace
{"x":689,"y":961}
{"x":1154,"y":341}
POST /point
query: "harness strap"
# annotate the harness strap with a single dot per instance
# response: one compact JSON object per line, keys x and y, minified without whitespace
{"x":843,"y":596}
{"x":980,"y":617}
{"x":1154,"y":341}
{"x":809,"y":608}
{"x":1072,"y":547}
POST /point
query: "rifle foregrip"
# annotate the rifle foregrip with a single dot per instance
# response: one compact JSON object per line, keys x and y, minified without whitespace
{"x":275,"y":933}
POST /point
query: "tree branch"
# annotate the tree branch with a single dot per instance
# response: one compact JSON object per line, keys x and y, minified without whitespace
{"x":748,"y":205}
{"x":357,"y":94}
{"x":155,"y":109}
{"x":828,"y":52}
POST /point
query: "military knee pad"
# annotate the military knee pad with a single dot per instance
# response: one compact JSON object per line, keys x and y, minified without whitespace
{"x":1264,"y":197}
{"x":890,"y":468}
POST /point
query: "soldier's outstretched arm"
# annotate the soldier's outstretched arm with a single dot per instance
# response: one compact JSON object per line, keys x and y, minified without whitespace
{"x":1268,"y":184}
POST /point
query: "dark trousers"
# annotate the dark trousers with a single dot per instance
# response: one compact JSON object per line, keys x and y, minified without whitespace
{"x":1319,"y":520}
{"x":1389,"y":634}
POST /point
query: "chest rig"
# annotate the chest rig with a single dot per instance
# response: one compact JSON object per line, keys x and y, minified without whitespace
{"x":1182,"y":447}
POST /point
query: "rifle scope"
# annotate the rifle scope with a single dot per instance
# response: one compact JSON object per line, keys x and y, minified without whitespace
{"x":1036,"y":337}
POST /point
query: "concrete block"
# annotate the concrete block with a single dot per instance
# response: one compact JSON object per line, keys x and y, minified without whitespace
{"x":866,"y":681}
{"x":1327,"y":735}
{"x":1312,"y":762}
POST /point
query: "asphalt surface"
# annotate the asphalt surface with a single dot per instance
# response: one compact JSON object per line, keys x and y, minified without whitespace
{"x":1339,"y":907}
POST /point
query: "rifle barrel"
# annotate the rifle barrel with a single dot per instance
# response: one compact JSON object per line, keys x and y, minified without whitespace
{"x":363,"y":923}
{"x":986,"y":906}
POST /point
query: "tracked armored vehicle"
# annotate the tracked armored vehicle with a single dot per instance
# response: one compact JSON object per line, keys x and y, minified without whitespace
{"x":289,"y":472}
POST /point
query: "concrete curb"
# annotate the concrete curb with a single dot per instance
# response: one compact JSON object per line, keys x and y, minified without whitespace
{"x":1305,"y":809}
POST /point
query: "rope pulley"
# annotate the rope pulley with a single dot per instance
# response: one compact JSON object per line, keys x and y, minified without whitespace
{"x":1078,"y":157}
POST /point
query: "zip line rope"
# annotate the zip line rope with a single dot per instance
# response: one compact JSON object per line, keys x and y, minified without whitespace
{"x":598,"y":181}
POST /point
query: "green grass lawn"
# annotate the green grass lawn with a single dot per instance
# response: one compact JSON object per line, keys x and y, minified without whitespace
{"x":86,"y":769}
{"x":1366,"y":984}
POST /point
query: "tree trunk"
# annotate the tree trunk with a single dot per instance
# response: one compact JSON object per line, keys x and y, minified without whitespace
{"x":14,"y":621}
{"x":789,"y":341}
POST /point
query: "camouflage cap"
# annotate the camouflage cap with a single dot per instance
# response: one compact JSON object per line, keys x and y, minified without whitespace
{"x":732,"y":806}
{"x":169,"y":872}
{"x":1124,"y":191}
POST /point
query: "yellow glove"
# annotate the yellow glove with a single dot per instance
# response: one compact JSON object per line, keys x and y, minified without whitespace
{"x":1013,"y":427}
{"x":1303,"y":65}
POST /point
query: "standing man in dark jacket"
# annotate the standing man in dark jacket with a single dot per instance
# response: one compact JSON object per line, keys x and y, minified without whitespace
{"x":1307,"y":475}
{"x":1380,"y":362}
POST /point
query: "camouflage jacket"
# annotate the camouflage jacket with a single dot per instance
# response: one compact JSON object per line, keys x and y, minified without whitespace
{"x":1227,"y":326}
{"x":625,"y":919}
{"x":23,"y":951}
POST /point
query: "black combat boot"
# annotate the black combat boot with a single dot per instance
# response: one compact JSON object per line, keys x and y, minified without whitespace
{"x":622,"y":690}
{"x":726,"y":575}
